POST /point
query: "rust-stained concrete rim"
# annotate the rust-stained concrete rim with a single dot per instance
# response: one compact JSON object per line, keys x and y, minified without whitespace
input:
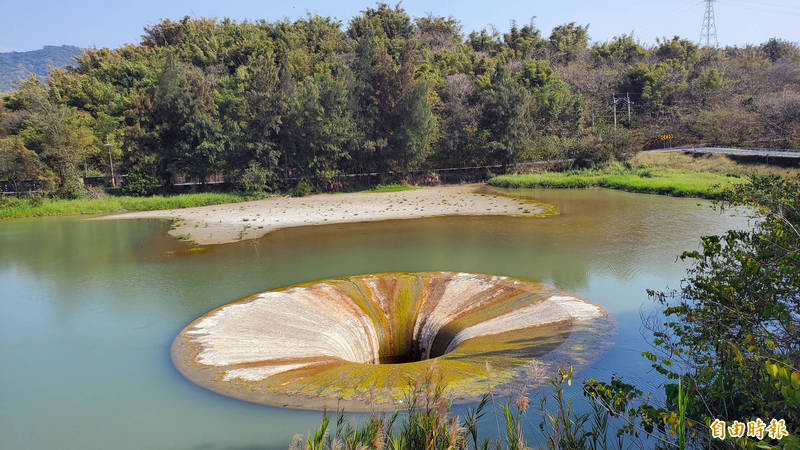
{"x":326,"y":343}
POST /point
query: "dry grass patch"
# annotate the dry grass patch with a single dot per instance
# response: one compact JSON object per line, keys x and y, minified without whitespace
{"x":713,"y":163}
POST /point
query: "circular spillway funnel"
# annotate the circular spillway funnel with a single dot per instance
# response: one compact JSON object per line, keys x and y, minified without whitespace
{"x":357,"y":342}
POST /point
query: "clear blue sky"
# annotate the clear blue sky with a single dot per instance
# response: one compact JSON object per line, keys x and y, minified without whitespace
{"x":28,"y":25}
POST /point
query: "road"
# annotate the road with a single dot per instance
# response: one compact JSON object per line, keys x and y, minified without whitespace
{"x":733,"y":151}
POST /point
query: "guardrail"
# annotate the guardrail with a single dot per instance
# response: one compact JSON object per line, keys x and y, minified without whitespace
{"x":771,"y":153}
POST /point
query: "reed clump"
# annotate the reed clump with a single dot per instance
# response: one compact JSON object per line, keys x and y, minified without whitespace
{"x":427,"y":423}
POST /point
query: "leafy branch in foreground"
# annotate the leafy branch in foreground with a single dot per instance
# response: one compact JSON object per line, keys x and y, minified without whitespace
{"x":730,"y":337}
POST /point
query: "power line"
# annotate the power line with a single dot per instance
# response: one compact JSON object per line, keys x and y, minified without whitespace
{"x":767,"y":4}
{"x":709,"y":31}
{"x":765,"y":8}
{"x":626,"y":99}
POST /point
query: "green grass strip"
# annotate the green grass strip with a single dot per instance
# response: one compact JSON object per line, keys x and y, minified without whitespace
{"x":12,"y":207}
{"x":391,"y":188}
{"x":679,"y":183}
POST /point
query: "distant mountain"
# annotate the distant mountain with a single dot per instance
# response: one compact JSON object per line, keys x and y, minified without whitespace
{"x":19,"y":65}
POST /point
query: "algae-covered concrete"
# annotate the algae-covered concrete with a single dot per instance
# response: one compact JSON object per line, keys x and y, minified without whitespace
{"x":359,"y":341}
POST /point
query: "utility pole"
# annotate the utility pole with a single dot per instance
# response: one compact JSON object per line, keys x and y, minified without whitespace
{"x":111,"y":163}
{"x":708,"y":34}
{"x":626,"y":99}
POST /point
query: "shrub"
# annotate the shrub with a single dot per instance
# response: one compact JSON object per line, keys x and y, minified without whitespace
{"x":302,"y":189}
{"x":600,"y":146}
{"x":254,"y":178}
{"x":139,"y":184}
{"x":35,"y":200}
{"x":71,"y":188}
{"x":727,"y":340}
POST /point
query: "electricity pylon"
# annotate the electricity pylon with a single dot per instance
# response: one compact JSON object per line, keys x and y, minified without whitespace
{"x":708,"y":34}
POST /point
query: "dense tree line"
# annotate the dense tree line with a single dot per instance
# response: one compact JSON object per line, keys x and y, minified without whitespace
{"x":263,"y":102}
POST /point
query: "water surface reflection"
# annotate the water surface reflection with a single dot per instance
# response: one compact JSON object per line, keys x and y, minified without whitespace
{"x":88,"y":309}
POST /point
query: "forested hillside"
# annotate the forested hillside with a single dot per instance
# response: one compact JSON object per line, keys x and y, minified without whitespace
{"x":261,"y":102}
{"x":15,"y":66}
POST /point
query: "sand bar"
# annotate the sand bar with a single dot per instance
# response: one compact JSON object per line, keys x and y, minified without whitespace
{"x":219,"y":224}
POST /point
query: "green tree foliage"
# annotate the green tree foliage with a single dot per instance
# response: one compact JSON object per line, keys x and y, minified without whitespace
{"x":778,"y":49}
{"x":458,"y":124}
{"x":678,"y":49}
{"x":438,"y":33}
{"x":621,"y":49}
{"x":737,"y":315}
{"x":392,"y":107}
{"x":139,"y":183}
{"x":179,"y":123}
{"x":18,"y":164}
{"x":254,"y":178}
{"x":319,"y":129}
{"x":247,"y":99}
{"x":656,"y":85}
{"x":708,"y":86}
{"x":505,"y":127}
{"x":484,"y":41}
{"x":569,"y":40}
{"x":522,"y":43}
{"x":256,"y":106}
{"x":60,"y":135}
{"x":389,"y":27}
{"x":555,"y":109}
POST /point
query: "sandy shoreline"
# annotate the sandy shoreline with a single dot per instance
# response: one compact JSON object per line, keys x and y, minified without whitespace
{"x":219,"y":224}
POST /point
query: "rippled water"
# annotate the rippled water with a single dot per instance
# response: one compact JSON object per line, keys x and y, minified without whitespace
{"x":88,"y":310}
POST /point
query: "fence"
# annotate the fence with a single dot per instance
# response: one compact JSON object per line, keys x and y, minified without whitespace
{"x":13,"y":187}
{"x":183,"y":183}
